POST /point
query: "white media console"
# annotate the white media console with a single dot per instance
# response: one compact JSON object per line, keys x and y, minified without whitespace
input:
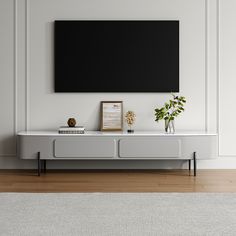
{"x":95,"y":145}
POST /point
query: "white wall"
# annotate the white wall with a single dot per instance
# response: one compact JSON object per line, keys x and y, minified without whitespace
{"x":27,"y":100}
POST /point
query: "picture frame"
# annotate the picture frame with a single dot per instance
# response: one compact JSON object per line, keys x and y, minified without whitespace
{"x":111,"y":115}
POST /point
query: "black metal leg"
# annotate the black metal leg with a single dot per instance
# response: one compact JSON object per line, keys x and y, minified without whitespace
{"x":195,"y":163}
{"x":189,"y":165}
{"x":44,"y":166}
{"x":39,"y":164}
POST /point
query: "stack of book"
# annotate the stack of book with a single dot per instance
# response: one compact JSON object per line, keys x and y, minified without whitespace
{"x":71,"y":130}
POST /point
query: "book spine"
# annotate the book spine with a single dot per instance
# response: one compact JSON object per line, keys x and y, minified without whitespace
{"x":71,"y":132}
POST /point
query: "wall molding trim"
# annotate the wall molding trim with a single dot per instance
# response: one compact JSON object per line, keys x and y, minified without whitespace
{"x":218,"y":71}
{"x":206,"y":64}
{"x":27,"y":68}
{"x":15,"y":73}
{"x":27,"y":65}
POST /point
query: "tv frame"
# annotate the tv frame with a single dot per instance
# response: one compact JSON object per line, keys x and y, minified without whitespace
{"x":113,"y":91}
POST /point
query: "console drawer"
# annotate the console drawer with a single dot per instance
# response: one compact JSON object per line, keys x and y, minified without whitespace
{"x":150,"y":148}
{"x":84,"y":147}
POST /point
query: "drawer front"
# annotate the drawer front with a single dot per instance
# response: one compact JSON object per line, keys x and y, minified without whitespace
{"x":150,"y":148}
{"x":84,"y":148}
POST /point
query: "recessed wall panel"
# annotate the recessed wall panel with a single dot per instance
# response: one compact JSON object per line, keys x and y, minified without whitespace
{"x":7,"y":106}
{"x":227,"y":77}
{"x":85,"y":106}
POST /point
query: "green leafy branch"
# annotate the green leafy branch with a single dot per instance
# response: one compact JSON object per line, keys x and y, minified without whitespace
{"x":171,"y":109}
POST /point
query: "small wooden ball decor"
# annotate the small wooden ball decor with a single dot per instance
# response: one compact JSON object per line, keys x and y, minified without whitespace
{"x":71,"y":122}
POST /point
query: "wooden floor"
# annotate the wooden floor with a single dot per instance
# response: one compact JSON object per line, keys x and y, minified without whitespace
{"x":118,"y":181}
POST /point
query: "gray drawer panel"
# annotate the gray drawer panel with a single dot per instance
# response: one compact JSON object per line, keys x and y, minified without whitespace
{"x":84,"y":147}
{"x":150,"y":148}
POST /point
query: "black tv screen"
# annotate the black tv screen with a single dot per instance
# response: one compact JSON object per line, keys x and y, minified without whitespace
{"x":116,"y":56}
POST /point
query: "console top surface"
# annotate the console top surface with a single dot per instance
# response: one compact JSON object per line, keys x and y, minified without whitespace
{"x":118,"y":133}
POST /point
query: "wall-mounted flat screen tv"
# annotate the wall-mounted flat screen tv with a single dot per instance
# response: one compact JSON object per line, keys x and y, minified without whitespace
{"x":116,"y":56}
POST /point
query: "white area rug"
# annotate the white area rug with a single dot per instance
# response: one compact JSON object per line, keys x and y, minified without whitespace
{"x":117,"y":214}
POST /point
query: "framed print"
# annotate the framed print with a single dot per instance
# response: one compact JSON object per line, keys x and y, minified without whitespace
{"x":111,"y":115}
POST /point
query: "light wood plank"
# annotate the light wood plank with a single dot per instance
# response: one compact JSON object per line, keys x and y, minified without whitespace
{"x":118,"y":181}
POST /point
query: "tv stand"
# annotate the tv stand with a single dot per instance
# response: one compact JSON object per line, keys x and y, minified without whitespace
{"x":117,"y":146}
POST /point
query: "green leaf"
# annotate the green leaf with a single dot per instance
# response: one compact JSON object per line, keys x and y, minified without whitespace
{"x":170,"y":110}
